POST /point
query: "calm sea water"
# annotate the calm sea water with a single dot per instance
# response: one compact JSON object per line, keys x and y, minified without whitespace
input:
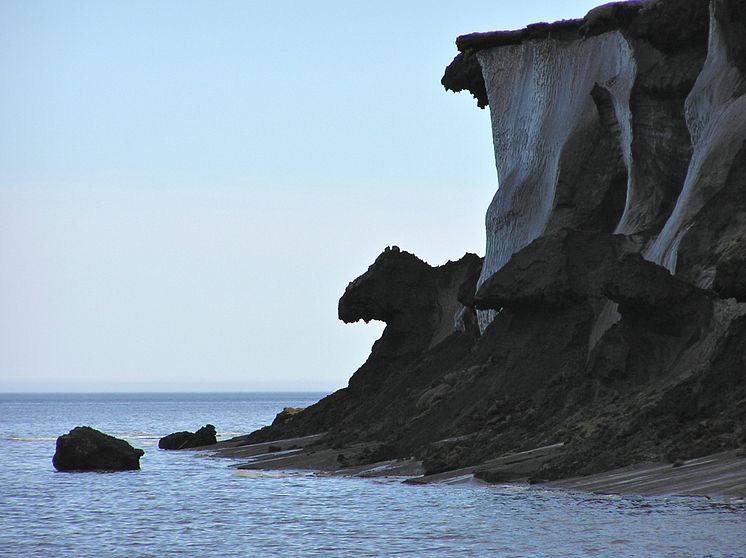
{"x":191,"y":504}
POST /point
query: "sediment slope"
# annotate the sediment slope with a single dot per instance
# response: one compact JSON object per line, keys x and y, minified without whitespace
{"x":609,"y":313}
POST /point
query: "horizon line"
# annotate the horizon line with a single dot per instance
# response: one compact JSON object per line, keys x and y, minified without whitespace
{"x":157,"y":392}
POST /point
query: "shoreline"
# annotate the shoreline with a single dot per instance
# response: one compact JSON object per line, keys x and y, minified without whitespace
{"x":720,"y":476}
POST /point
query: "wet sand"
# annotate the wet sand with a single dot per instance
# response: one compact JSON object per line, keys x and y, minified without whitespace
{"x":721,"y":475}
{"x":717,"y":475}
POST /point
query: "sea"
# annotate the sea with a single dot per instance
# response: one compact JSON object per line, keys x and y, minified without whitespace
{"x":192,"y":504}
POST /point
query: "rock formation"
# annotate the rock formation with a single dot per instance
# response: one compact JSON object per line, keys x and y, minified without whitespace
{"x":287,"y":414}
{"x":205,"y":436}
{"x":87,"y":449}
{"x":611,"y":302}
{"x":428,"y":329}
{"x":630,"y":120}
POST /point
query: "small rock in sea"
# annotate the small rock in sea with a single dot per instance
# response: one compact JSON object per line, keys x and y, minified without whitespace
{"x":86,"y":449}
{"x":677,"y":463}
{"x":205,"y":436}
{"x":273,"y":449}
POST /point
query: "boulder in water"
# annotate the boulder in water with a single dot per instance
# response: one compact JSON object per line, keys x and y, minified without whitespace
{"x":205,"y":436}
{"x":86,"y":449}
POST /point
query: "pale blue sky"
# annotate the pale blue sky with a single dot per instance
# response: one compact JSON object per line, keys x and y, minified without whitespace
{"x":186,"y":187}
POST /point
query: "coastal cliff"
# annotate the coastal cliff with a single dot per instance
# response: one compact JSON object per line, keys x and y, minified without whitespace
{"x":609,"y":311}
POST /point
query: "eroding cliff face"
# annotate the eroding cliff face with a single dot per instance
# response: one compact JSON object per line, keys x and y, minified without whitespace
{"x":612,"y":297}
{"x":533,"y":134}
{"x":418,"y":303}
{"x":580,"y":107}
{"x":716,"y":117}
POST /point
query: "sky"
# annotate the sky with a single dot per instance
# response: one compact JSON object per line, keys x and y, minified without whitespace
{"x":187,"y":187}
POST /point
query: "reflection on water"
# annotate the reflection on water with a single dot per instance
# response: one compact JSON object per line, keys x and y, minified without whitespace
{"x":187,"y":504}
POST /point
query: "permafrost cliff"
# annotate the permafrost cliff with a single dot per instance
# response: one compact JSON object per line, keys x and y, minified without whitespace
{"x":609,"y":312}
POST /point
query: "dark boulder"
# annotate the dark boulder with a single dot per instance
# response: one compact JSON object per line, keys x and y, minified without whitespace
{"x":205,"y":436}
{"x":87,"y":449}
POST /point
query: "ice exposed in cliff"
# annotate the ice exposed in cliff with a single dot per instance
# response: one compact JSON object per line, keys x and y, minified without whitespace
{"x":617,"y":136}
{"x":627,"y":121}
{"x":531,"y":129}
{"x":716,"y":117}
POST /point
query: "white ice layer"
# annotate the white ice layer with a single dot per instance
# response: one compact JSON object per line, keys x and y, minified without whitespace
{"x":539,"y":93}
{"x":717,"y":123}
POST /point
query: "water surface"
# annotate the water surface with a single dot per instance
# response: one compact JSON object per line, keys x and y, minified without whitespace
{"x":191,"y":504}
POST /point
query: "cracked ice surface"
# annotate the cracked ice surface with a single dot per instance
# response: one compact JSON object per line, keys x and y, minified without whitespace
{"x":530,"y":127}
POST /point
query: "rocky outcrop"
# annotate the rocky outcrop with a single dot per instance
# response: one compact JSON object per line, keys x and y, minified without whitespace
{"x":662,"y":383}
{"x":87,"y":449}
{"x":287,"y":414}
{"x":429,"y":325}
{"x":610,"y":306}
{"x":205,"y":436}
{"x":419,"y":304}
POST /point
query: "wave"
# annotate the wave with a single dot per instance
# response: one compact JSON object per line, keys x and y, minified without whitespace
{"x":31,"y":438}
{"x":153,"y":436}
{"x":258,"y":474}
{"x":140,"y":436}
{"x":134,"y":435}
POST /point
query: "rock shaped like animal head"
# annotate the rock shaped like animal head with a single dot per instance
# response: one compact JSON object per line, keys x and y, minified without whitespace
{"x":395,"y":283}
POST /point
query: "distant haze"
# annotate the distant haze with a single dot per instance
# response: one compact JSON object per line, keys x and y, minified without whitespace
{"x":186,"y":188}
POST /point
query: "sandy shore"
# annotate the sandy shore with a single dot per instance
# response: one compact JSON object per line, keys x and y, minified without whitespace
{"x":721,"y":475}
{"x":717,"y":475}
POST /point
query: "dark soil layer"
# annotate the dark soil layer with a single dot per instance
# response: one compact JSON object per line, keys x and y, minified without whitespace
{"x":592,"y":346}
